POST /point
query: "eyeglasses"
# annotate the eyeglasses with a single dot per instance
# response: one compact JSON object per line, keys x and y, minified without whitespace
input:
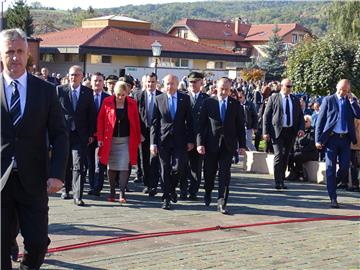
{"x":288,"y":86}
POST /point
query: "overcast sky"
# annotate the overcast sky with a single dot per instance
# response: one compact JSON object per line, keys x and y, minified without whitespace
{"x":69,"y":4}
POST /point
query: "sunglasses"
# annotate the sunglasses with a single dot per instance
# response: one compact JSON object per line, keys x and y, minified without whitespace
{"x":288,"y":86}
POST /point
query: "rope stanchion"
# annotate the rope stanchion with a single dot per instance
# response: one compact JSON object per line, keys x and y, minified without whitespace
{"x":119,"y":239}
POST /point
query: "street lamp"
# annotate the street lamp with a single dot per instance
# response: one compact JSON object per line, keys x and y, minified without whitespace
{"x":156,"y":51}
{"x":2,"y":15}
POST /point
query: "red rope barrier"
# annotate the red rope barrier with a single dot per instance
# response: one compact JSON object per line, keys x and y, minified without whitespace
{"x":179,"y":232}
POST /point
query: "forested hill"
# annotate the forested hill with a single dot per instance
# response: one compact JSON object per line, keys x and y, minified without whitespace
{"x":311,"y":14}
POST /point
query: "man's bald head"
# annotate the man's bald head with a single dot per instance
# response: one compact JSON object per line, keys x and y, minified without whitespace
{"x":343,"y":87}
{"x":286,"y":86}
{"x":170,"y":83}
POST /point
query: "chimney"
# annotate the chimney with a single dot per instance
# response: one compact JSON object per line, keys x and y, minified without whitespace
{"x":238,"y":21}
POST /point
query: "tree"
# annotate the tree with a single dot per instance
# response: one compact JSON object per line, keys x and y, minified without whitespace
{"x":273,"y":63}
{"x":344,"y":19}
{"x":18,"y":16}
{"x":316,"y":66}
{"x":252,"y":74}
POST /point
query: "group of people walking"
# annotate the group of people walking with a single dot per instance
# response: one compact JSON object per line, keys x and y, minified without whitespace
{"x":174,"y":136}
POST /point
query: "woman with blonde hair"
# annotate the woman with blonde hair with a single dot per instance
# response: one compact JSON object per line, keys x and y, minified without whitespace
{"x":118,"y":133}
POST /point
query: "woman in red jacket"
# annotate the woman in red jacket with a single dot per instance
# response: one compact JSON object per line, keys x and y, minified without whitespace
{"x":118,"y":133}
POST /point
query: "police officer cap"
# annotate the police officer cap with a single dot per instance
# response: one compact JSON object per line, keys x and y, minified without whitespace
{"x":194,"y":76}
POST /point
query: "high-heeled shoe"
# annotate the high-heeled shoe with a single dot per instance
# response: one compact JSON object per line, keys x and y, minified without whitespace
{"x":122,"y":198}
{"x":111,"y":199}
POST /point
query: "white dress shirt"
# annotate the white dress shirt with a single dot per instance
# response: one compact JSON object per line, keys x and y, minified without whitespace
{"x":22,"y":88}
{"x":283,"y":98}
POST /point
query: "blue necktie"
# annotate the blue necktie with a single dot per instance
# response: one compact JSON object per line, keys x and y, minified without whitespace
{"x":15,"y":109}
{"x":150,"y":109}
{"x":74,"y":99}
{"x":97,"y":102}
{"x":343,"y":113}
{"x":223,"y":111}
{"x":172,"y":107}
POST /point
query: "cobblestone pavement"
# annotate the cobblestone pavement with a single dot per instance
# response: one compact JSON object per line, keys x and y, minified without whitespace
{"x":309,"y":245}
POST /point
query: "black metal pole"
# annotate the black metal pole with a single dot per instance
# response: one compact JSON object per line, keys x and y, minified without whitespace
{"x":156,"y":63}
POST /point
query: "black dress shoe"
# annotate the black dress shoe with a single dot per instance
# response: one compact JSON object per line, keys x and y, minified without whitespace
{"x":183,"y":197}
{"x":334,"y":204}
{"x":342,"y":186}
{"x":166,"y":205}
{"x":146,"y":190}
{"x":152,"y":192}
{"x":193,"y":197}
{"x":278,"y":187}
{"x":138,"y":180}
{"x":353,"y":189}
{"x":14,"y":251}
{"x":174,"y":197}
{"x":207,"y":198}
{"x":221,"y":207}
{"x":292,"y":176}
{"x":79,"y":202}
{"x":65,"y":196}
{"x":90,"y":192}
{"x":283,"y":186}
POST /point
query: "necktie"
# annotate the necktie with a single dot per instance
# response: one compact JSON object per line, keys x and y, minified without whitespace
{"x":97,"y":102}
{"x":287,"y":111}
{"x":195,"y":97}
{"x":172,"y":107}
{"x":15,"y":109}
{"x":343,"y":113}
{"x":245,"y":115}
{"x":150,"y":109}
{"x":223,"y":111}
{"x":74,"y":99}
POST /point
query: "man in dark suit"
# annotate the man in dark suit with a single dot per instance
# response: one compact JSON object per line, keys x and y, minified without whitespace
{"x":221,"y":131}
{"x":47,"y":77}
{"x":31,"y":117}
{"x":149,"y":163}
{"x":171,"y":135}
{"x":251,"y":120}
{"x":96,"y":169}
{"x":80,"y":114}
{"x":195,"y":160}
{"x":283,"y":121}
{"x":334,"y":132}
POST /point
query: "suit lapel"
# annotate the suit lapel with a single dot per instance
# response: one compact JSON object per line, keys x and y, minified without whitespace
{"x":81,"y":97}
{"x":217,"y":108}
{"x":3,"y":95}
{"x":69,"y":95}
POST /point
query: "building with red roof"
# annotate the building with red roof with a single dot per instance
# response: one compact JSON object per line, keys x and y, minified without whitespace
{"x":237,"y":36}
{"x":117,"y":44}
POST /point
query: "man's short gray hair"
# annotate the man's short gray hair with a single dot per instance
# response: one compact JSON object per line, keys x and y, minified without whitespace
{"x":13,"y":34}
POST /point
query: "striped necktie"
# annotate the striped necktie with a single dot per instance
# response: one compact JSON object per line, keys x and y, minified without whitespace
{"x":15,"y":109}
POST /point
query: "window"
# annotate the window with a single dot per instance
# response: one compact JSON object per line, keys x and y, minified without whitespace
{"x":47,"y":57}
{"x":95,"y":59}
{"x":219,"y":65}
{"x":294,"y":38}
{"x":301,"y":37}
{"x":184,"y":63}
{"x":106,"y":59}
{"x":72,"y":57}
{"x":185,"y":33}
{"x":98,"y":59}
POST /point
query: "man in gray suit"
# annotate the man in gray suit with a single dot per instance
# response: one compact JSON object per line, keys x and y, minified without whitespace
{"x":31,"y":117}
{"x":283,"y":121}
{"x":171,"y":135}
